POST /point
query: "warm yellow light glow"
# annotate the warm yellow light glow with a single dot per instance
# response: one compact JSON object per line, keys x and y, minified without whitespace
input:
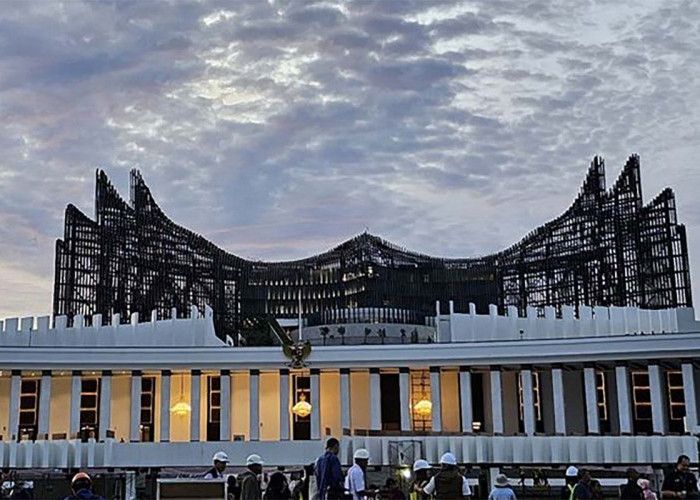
{"x":302,"y":408}
{"x":181,"y":408}
{"x":423,"y":408}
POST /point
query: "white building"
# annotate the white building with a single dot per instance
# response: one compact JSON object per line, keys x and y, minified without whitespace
{"x":612,"y":386}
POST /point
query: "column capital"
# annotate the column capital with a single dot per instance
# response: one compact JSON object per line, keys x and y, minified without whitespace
{"x":225,"y":373}
{"x":166,"y":373}
{"x":77,"y":373}
{"x":284,"y":372}
{"x":195,"y":373}
{"x":345,"y":371}
{"x":495,"y":368}
{"x":526,"y":367}
{"x":135,"y":373}
{"x":46,"y":373}
{"x":374,"y":371}
{"x":465,"y":369}
{"x":106,"y":373}
{"x":434,"y":369}
{"x":315,"y":371}
{"x":16,"y":373}
{"x":254,"y":372}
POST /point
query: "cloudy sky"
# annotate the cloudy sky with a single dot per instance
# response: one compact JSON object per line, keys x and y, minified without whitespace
{"x":278,"y":129}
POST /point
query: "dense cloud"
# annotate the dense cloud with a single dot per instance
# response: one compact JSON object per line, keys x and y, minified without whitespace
{"x":278,"y":129}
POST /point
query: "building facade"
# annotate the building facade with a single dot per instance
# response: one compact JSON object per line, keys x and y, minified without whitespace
{"x":597,"y":386}
{"x":607,"y":249}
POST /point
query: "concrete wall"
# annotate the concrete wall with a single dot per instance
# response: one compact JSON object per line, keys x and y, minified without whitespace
{"x":330,"y":404}
{"x":575,"y":402}
{"x":591,"y":322}
{"x":483,"y":450}
{"x":196,"y":330}
{"x":547,"y":400}
{"x":120,"y":414}
{"x":269,"y":406}
{"x":359,"y":396}
{"x":180,"y":383}
{"x":449,"y":398}
{"x":510,"y":402}
{"x":240,"y":406}
{"x":5,"y":405}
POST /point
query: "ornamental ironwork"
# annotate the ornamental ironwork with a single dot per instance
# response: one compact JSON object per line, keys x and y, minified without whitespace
{"x":607,"y":249}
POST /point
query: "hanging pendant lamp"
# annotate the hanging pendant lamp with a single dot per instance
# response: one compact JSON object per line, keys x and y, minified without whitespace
{"x":182,"y":408}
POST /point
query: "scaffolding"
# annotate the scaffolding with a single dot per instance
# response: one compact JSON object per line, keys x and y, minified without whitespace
{"x":607,"y":249}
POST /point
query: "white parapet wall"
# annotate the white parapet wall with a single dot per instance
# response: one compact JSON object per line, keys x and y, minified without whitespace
{"x":590,"y":322}
{"x":385,"y":450}
{"x":197,"y":330}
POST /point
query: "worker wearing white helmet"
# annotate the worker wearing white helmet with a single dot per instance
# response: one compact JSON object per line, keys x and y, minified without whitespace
{"x":421,"y":469}
{"x":249,"y":480}
{"x":220,"y":460}
{"x":448,"y":484}
{"x":355,"y":482}
{"x":571,"y":479}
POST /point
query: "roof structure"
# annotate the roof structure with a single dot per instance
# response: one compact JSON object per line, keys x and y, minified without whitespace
{"x":606,"y":249}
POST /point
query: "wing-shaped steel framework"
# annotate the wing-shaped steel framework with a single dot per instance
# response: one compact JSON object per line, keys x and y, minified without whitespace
{"x":606,"y":249}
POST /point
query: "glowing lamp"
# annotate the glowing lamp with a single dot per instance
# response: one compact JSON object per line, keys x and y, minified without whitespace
{"x":423,"y":408}
{"x":302,"y":408}
{"x":181,"y":408}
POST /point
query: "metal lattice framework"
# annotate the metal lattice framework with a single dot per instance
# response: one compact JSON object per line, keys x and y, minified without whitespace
{"x":606,"y":249}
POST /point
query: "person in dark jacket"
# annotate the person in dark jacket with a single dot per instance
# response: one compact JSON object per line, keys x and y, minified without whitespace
{"x":220,"y":460}
{"x":81,"y":488}
{"x":631,"y":490}
{"x":583,"y":490}
{"x":329,"y":475}
{"x":277,"y":488}
{"x":249,"y":483}
{"x":680,"y":482}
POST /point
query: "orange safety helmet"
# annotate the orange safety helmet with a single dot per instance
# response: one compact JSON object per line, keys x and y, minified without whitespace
{"x":80,"y":481}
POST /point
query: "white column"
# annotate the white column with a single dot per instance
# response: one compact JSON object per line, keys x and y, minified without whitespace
{"x":658,"y":399}
{"x":284,"y":404}
{"x":225,"y":411}
{"x":375,"y":400}
{"x":691,"y":408}
{"x":105,"y":404}
{"x":13,"y":423}
{"x":315,"y":404}
{"x":624,"y":399}
{"x":591,"y":400}
{"x":345,"y":406}
{"x":496,"y":401}
{"x":195,"y":403}
{"x":528,"y":402}
{"x":75,"y":389}
{"x":465,"y":400}
{"x":435,"y":398}
{"x":135,"y":427}
{"x":44,"y":404}
{"x":255,"y":405}
{"x":405,"y":398}
{"x":559,"y":402}
{"x":165,"y":406}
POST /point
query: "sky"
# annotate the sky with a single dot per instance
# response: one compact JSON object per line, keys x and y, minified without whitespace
{"x":278,"y":129}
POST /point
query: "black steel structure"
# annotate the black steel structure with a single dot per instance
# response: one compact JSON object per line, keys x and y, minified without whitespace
{"x":606,"y":249}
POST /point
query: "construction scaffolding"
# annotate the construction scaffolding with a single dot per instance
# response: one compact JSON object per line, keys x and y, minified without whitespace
{"x":607,"y":249}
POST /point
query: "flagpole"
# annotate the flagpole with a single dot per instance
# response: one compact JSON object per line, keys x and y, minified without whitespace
{"x":300,"y":314}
